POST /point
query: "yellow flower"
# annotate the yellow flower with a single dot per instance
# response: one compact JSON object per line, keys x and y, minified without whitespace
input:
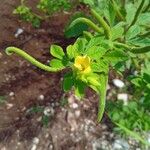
{"x":82,"y":63}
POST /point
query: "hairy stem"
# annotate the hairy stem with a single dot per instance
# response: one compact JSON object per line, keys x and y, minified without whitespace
{"x":89,"y":23}
{"x":139,"y":50}
{"x":137,"y":14}
{"x":102,"y":23}
{"x":87,"y":35}
{"x":115,"y":7}
{"x":133,"y":49}
{"x":29,"y":58}
{"x":147,"y":7}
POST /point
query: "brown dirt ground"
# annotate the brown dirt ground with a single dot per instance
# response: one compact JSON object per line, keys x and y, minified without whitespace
{"x":22,"y":84}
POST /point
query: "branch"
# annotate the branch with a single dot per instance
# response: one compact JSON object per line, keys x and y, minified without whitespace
{"x":11,"y":50}
{"x":88,"y":22}
{"x":102,"y":23}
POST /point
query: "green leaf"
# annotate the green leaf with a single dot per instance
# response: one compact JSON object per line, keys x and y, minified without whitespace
{"x":133,"y":32}
{"x":130,"y":12}
{"x":71,"y":51}
{"x":95,"y":52}
{"x":115,"y":56}
{"x":79,"y":88}
{"x":110,"y":14}
{"x":117,"y":31}
{"x":144,"y":19}
{"x":80,"y":45}
{"x":100,"y":66}
{"x":57,"y":51}
{"x":103,"y":89}
{"x":95,"y":41}
{"x":93,"y":79}
{"x":68,"y":81}
{"x":143,"y":42}
{"x":132,"y":133}
{"x":146,"y":77}
{"x":137,"y":81}
{"x":56,"y":63}
{"x":77,"y":29}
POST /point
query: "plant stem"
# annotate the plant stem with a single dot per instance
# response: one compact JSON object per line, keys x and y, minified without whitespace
{"x":89,"y":23}
{"x":103,"y":90}
{"x":102,"y":23}
{"x":132,"y":133}
{"x":29,"y":58}
{"x":147,"y":7}
{"x":119,"y":15}
{"x":137,"y":14}
{"x":87,"y":35}
{"x":138,"y":50}
{"x":122,"y":45}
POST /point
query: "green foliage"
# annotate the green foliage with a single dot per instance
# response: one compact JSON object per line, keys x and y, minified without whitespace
{"x":51,"y":6}
{"x":119,"y":34}
{"x":48,"y":7}
{"x":26,"y":14}
{"x":131,"y":119}
{"x":45,"y":120}
{"x":36,"y":109}
{"x":77,"y":29}
{"x":2,"y":99}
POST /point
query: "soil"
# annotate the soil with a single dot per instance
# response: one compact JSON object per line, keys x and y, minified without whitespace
{"x":70,"y":127}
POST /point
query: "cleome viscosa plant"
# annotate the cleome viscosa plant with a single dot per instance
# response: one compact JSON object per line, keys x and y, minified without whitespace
{"x":90,"y":57}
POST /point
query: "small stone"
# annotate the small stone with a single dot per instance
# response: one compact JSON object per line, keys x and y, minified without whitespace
{"x":18,"y":32}
{"x":118,"y":83}
{"x":51,"y":147}
{"x":72,"y":121}
{"x":77,"y":113}
{"x":39,"y":119}
{"x":36,"y":140}
{"x":138,"y":149}
{"x":1,"y":55}
{"x":124,"y":97}
{"x":74,"y":105}
{"x":121,"y":144}
{"x":48,"y":111}
{"x":18,"y":143}
{"x":47,"y":135}
{"x":34,"y":147}
{"x":71,"y":100}
{"x":41,"y":97}
{"x":3,"y":148}
{"x":11,"y":94}
{"x":9,"y":105}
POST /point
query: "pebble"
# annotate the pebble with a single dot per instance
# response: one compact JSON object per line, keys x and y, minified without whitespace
{"x":34,"y":147}
{"x":41,"y":97}
{"x":72,"y":121}
{"x":74,"y":105}
{"x":1,"y":55}
{"x":124,"y":97}
{"x":120,"y":144}
{"x":71,"y":100}
{"x":77,"y":113}
{"x":11,"y":94}
{"x":36,"y":140}
{"x":50,"y":146}
{"x":118,"y":83}
{"x":9,"y":105}
{"x":3,"y":148}
{"x":48,"y":111}
{"x":18,"y":32}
